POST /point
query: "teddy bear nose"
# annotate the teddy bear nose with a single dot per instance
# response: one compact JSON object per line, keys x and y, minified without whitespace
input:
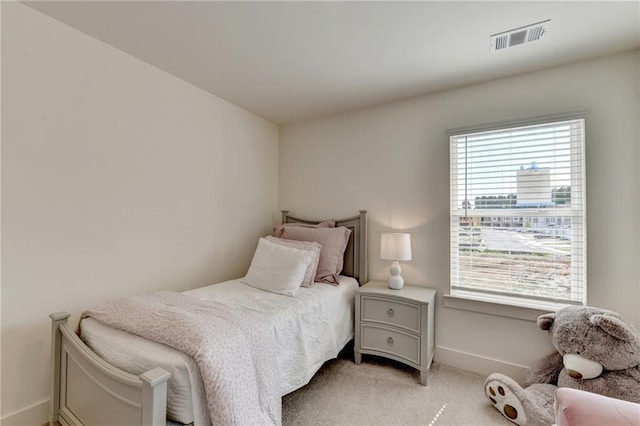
{"x":574,"y":374}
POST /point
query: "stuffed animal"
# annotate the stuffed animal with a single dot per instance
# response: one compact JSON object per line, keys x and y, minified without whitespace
{"x":597,"y":351}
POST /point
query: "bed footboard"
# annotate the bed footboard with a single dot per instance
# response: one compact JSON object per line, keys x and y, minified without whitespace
{"x":86,"y":390}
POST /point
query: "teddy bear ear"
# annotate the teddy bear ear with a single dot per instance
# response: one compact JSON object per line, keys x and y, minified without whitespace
{"x":544,"y":321}
{"x":614,"y":326}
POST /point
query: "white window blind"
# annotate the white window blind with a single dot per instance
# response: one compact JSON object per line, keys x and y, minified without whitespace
{"x":518,"y":213}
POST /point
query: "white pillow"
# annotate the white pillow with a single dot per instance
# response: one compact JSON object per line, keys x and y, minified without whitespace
{"x":277,"y":268}
{"x":313,"y":247}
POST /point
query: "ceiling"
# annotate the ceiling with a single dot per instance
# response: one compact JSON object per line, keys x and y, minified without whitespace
{"x":292,"y":61}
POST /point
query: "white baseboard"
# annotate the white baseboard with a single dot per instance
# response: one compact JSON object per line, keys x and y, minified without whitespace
{"x":34,"y":415}
{"x":478,"y":364}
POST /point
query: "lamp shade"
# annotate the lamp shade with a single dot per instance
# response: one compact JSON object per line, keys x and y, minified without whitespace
{"x":395,"y":246}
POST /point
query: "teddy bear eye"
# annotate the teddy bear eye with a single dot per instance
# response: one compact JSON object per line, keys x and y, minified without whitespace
{"x":577,"y":352}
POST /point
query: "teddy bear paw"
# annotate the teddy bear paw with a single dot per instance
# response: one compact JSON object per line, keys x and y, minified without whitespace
{"x":506,"y":402}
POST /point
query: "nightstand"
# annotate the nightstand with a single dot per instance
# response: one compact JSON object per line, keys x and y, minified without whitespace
{"x":396,"y":324}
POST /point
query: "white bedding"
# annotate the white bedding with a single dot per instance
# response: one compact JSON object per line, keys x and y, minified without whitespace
{"x":310,"y":328}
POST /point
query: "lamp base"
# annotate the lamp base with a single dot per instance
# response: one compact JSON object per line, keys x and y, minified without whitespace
{"x":396,"y":282}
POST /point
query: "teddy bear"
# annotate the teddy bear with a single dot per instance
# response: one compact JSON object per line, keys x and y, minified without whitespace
{"x":597,"y":351}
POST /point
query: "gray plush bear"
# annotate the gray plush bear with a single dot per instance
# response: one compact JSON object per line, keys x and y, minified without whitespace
{"x":597,"y":351}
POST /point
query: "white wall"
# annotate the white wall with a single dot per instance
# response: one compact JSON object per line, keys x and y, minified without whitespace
{"x":393,"y":160}
{"x":117,"y":178}
{"x":638,"y":163}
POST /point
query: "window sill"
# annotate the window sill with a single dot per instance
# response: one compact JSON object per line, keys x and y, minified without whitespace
{"x":511,"y":309}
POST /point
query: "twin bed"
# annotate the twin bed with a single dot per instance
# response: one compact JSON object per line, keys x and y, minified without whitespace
{"x":112,"y":376}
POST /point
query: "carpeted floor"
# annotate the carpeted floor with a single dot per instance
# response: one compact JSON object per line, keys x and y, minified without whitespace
{"x":382,"y":392}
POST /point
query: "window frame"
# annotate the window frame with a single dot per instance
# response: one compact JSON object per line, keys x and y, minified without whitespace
{"x":523,"y":301}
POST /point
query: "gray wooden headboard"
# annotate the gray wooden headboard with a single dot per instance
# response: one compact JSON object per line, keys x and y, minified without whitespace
{"x":355,"y":255}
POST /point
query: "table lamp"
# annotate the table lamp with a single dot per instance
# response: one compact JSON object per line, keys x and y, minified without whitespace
{"x":395,"y":246}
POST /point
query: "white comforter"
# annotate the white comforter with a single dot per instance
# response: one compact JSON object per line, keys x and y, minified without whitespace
{"x":310,"y":328}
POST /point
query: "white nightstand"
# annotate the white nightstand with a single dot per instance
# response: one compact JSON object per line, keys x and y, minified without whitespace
{"x":396,"y":324}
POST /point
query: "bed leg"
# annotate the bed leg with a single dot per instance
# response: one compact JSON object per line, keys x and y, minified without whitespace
{"x":154,"y":397}
{"x":56,"y":341}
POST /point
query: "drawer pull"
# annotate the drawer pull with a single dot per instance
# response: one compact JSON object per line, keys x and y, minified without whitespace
{"x":390,"y":312}
{"x":390,"y":341}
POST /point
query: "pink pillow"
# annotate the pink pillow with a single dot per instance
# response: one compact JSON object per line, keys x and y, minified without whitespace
{"x":313,"y":247}
{"x":279,"y":229}
{"x":579,"y":408}
{"x":333,"y":241}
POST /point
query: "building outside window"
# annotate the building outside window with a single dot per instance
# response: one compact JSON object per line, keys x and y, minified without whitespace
{"x":525,"y":184}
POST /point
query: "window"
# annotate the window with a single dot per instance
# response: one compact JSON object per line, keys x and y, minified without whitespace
{"x":530,"y":180}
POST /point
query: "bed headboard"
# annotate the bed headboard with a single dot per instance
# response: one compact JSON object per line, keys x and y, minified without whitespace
{"x":355,"y":255}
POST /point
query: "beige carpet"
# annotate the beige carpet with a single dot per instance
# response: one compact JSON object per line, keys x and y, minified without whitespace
{"x":382,"y":392}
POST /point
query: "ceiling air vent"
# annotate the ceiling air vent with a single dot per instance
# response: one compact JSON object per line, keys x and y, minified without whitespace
{"x":518,"y":36}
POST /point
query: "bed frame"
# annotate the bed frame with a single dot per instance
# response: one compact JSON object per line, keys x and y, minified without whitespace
{"x":86,"y":390}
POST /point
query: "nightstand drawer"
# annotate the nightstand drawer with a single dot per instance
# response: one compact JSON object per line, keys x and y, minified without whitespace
{"x":393,"y":342}
{"x":392,"y":312}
